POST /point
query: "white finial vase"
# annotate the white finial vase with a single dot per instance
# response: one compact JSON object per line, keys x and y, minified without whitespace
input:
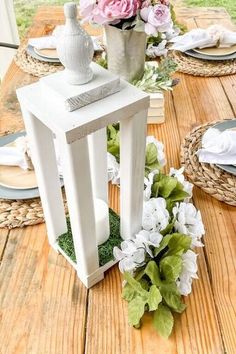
{"x":75,"y":49}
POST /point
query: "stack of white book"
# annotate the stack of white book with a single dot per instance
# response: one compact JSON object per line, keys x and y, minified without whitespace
{"x":156,"y":111}
{"x":156,"y":114}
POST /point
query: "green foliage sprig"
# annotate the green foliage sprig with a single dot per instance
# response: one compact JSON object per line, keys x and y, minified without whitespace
{"x":157,"y":78}
{"x":153,"y":288}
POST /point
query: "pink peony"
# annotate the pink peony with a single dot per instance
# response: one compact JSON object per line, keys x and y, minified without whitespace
{"x":157,"y":18}
{"x":112,"y":11}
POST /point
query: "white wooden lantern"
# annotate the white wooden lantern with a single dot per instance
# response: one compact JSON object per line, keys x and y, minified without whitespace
{"x":44,"y":117}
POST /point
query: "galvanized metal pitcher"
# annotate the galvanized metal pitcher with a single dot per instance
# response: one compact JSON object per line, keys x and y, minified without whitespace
{"x":126,"y":52}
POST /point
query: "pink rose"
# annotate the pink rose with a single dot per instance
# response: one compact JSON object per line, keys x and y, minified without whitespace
{"x":112,"y":11}
{"x":157,"y":18}
{"x":86,"y":8}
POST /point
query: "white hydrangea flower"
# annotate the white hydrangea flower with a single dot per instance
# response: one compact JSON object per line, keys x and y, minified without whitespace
{"x":113,"y":169}
{"x":130,"y":256}
{"x":159,"y":50}
{"x":160,"y":149}
{"x":133,"y":252}
{"x":148,"y":182}
{"x":189,"y":222}
{"x":189,"y":272}
{"x":147,"y":239}
{"x":155,"y":215}
{"x":187,"y":186}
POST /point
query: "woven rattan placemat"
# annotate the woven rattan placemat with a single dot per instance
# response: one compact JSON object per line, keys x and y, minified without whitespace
{"x":198,"y":67}
{"x":214,"y":181}
{"x":20,"y":213}
{"x":34,"y":66}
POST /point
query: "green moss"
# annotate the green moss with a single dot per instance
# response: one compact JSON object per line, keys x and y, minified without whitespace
{"x":105,"y":251}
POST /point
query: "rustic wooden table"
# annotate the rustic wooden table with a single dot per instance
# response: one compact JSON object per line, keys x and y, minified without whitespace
{"x":44,"y":308}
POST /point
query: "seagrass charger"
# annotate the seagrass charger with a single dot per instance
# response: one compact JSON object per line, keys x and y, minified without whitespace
{"x":210,"y":178}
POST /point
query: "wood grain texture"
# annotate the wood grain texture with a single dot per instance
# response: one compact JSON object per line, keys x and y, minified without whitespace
{"x":3,"y":241}
{"x":43,"y":304}
{"x":212,"y":99}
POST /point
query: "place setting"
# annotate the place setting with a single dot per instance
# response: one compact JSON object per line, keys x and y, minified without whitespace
{"x":206,"y":52}
{"x":208,"y":154}
{"x":39,"y":55}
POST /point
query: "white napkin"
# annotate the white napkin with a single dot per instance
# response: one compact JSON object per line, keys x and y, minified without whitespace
{"x":218,"y":147}
{"x":17,"y":155}
{"x":215,"y":35}
{"x":50,"y":42}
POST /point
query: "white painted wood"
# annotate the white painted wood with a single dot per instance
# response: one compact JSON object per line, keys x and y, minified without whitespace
{"x":78,"y":186}
{"x":75,"y":49}
{"x":72,"y":130}
{"x":75,"y":125}
{"x":157,"y":100}
{"x":44,"y":160}
{"x":156,"y":120}
{"x":98,"y":163}
{"x":8,"y":34}
{"x":76,"y":96}
{"x":132,"y":164}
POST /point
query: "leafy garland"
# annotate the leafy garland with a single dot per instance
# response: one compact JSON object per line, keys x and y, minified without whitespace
{"x":155,"y":78}
{"x":159,"y":263}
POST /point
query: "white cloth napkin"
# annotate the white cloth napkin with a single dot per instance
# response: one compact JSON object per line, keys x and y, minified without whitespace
{"x":50,"y":42}
{"x":218,"y":147}
{"x":17,"y":155}
{"x":215,"y":35}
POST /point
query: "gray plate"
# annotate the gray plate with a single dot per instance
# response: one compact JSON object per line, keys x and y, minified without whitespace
{"x":194,"y":54}
{"x":9,"y":193}
{"x":228,"y":124}
{"x":30,"y":51}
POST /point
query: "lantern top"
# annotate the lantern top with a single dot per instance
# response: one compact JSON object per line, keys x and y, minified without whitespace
{"x":86,"y":120}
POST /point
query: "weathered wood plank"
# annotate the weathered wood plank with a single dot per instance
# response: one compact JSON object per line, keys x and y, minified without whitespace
{"x":208,"y":102}
{"x":202,"y":12}
{"x":229,"y":85}
{"x":37,"y":284}
{"x":3,"y":240}
{"x":42,"y":302}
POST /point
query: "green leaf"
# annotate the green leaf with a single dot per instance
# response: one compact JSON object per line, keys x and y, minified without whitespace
{"x":178,"y":194}
{"x":171,"y":267}
{"x":135,"y":284}
{"x":168,"y":228}
{"x":151,"y":154}
{"x":139,"y":274}
{"x":145,"y":284}
{"x":113,"y":141}
{"x":153,"y":273}
{"x":163,"y":321}
{"x":167,"y":185}
{"x":155,"y":189}
{"x":128,"y":293}
{"x":163,"y":245}
{"x":172,"y":297}
{"x":179,"y":244}
{"x":154,"y":298}
{"x":136,"y":310}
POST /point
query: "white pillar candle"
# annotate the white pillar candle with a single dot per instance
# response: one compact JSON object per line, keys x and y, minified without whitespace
{"x":101,"y":211}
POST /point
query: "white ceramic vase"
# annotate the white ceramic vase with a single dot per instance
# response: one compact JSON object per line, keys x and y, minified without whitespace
{"x":75,"y":49}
